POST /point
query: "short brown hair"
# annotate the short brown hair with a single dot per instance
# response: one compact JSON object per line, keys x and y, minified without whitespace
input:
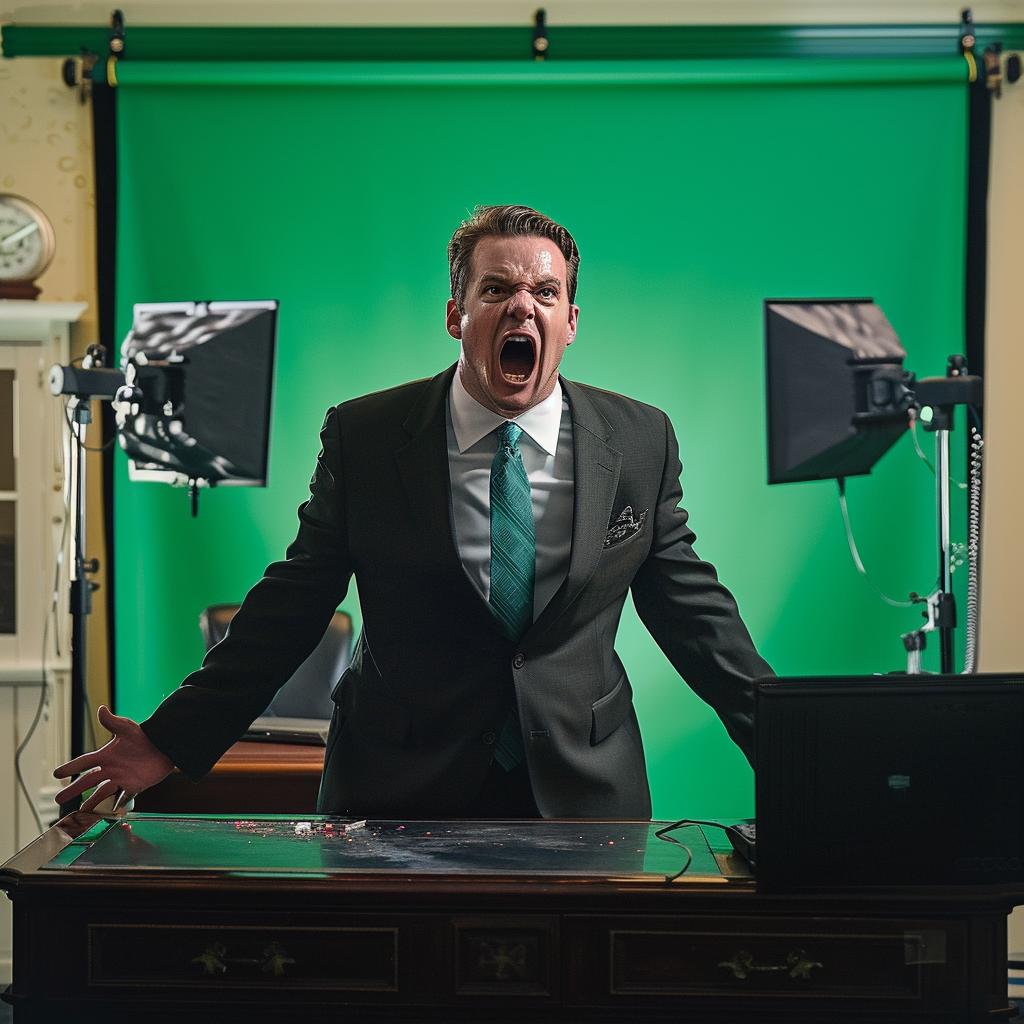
{"x":507,"y":222}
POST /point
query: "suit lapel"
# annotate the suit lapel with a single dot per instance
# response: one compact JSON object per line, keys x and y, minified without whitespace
{"x":596,"y":475}
{"x":423,"y":467}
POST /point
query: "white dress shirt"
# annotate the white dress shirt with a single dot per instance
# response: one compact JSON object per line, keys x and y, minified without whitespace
{"x":546,"y":447}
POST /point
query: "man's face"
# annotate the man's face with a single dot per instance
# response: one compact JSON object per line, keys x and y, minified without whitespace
{"x":516,"y":323}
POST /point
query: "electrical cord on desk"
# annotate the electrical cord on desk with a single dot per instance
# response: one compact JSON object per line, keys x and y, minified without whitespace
{"x":662,"y":834}
{"x":742,"y":836}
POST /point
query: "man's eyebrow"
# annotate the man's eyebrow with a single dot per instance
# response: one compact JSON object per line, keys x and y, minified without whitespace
{"x":542,"y":282}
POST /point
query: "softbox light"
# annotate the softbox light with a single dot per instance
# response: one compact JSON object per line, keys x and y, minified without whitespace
{"x":198,"y":401}
{"x":837,"y":393}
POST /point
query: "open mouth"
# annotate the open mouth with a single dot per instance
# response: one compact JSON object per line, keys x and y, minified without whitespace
{"x":517,"y":358}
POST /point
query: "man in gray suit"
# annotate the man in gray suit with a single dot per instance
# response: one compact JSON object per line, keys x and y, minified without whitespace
{"x":493,"y":562}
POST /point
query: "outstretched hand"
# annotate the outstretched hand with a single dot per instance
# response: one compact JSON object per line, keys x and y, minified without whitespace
{"x":124,"y":767}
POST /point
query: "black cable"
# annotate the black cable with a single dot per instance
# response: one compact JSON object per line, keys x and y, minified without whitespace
{"x":104,"y":148}
{"x":85,"y":706}
{"x":81,"y":444}
{"x":979,"y":137}
{"x":662,"y":835}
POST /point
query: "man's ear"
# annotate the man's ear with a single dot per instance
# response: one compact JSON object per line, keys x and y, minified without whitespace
{"x":454,"y":319}
{"x":574,"y":315}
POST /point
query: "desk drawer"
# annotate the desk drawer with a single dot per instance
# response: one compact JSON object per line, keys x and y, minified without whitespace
{"x":917,"y":964}
{"x":353,"y":959}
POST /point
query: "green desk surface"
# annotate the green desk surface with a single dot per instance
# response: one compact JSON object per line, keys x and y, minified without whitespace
{"x":281,"y":845}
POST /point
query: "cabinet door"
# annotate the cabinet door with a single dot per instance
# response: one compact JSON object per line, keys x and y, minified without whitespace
{"x":32,"y":507}
{"x":9,"y":436}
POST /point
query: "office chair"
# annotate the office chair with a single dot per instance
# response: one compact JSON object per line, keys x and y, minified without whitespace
{"x":308,"y":693}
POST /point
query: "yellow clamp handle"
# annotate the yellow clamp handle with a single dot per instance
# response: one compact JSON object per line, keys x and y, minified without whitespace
{"x":972,"y":64}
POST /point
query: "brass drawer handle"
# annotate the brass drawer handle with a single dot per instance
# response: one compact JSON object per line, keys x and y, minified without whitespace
{"x":797,"y":964}
{"x":215,"y":959}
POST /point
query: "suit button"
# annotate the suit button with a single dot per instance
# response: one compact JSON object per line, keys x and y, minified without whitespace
{"x":488,"y":738}
{"x":519,"y":661}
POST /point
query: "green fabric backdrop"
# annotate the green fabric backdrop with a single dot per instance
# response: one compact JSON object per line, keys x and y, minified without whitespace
{"x":694,"y":189}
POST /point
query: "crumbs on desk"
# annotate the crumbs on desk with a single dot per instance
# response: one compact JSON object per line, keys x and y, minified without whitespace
{"x":298,"y":829}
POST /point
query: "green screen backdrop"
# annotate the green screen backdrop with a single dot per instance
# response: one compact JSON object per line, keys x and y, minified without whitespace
{"x":694,"y":189}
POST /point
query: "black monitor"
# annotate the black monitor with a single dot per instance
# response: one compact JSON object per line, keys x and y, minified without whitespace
{"x":836,"y":389}
{"x":890,"y":780}
{"x":201,"y":375}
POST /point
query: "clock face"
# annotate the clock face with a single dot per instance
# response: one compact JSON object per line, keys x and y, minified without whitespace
{"x":26,"y":239}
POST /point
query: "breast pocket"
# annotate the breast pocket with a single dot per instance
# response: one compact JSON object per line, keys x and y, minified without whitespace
{"x":620,"y":561}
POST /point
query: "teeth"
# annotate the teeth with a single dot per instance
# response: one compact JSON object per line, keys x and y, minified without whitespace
{"x":515,"y":378}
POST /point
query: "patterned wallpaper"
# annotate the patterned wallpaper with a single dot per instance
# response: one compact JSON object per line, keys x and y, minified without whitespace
{"x":46,"y":156}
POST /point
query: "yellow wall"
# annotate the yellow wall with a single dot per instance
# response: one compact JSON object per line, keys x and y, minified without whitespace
{"x":1001,"y":646}
{"x":46,"y":156}
{"x":509,"y":12}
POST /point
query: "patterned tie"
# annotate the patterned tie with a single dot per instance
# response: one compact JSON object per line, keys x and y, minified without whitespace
{"x":513,"y":553}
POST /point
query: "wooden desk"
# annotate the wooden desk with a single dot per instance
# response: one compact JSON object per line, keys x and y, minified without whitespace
{"x":321,"y":934}
{"x":251,"y":778}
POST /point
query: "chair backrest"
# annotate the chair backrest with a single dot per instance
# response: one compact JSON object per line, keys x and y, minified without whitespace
{"x":308,"y":693}
{"x":213,"y":622}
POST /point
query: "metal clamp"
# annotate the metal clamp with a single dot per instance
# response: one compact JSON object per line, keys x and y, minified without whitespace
{"x":540,"y":35}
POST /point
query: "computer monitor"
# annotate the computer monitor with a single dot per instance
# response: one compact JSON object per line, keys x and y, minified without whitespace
{"x":837,"y":394}
{"x":202,"y":376}
{"x":889,"y":780}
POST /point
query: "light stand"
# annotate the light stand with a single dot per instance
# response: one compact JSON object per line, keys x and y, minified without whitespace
{"x":942,"y":395}
{"x":82,"y":588}
{"x":83,"y":384}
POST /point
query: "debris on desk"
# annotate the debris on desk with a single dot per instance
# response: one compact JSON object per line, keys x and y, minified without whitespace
{"x":298,"y":829}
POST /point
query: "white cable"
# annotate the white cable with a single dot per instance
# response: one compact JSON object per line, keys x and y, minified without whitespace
{"x":856,"y":554}
{"x":44,"y":691}
{"x":917,"y":444}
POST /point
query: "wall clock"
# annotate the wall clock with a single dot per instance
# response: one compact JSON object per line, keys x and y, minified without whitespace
{"x":27,"y":246}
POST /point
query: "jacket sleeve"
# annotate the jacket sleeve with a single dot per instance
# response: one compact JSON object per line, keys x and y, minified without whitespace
{"x":693,"y":617}
{"x":280,"y":622}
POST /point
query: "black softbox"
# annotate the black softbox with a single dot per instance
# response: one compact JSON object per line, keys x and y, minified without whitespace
{"x":837,"y":392}
{"x":202,"y":380}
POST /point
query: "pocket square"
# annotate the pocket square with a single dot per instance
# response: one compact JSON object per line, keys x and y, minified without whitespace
{"x":624,"y":526}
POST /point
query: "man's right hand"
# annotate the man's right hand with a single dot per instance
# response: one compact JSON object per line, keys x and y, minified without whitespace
{"x":124,"y":767}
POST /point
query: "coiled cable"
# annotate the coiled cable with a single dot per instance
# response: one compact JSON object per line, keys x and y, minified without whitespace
{"x":973,"y":548}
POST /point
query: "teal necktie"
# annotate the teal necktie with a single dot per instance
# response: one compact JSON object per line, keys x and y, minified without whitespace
{"x":513,"y":550}
{"x":513,"y":554}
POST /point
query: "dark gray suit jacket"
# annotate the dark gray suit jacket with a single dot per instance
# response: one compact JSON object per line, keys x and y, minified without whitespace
{"x":433,"y":676}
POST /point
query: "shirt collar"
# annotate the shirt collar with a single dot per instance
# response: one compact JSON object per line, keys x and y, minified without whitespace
{"x":471,"y":421}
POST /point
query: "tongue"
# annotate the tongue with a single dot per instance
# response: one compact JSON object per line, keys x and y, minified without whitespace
{"x":517,"y":359}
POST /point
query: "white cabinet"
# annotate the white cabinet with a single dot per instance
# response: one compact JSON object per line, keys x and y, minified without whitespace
{"x":34,"y":637}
